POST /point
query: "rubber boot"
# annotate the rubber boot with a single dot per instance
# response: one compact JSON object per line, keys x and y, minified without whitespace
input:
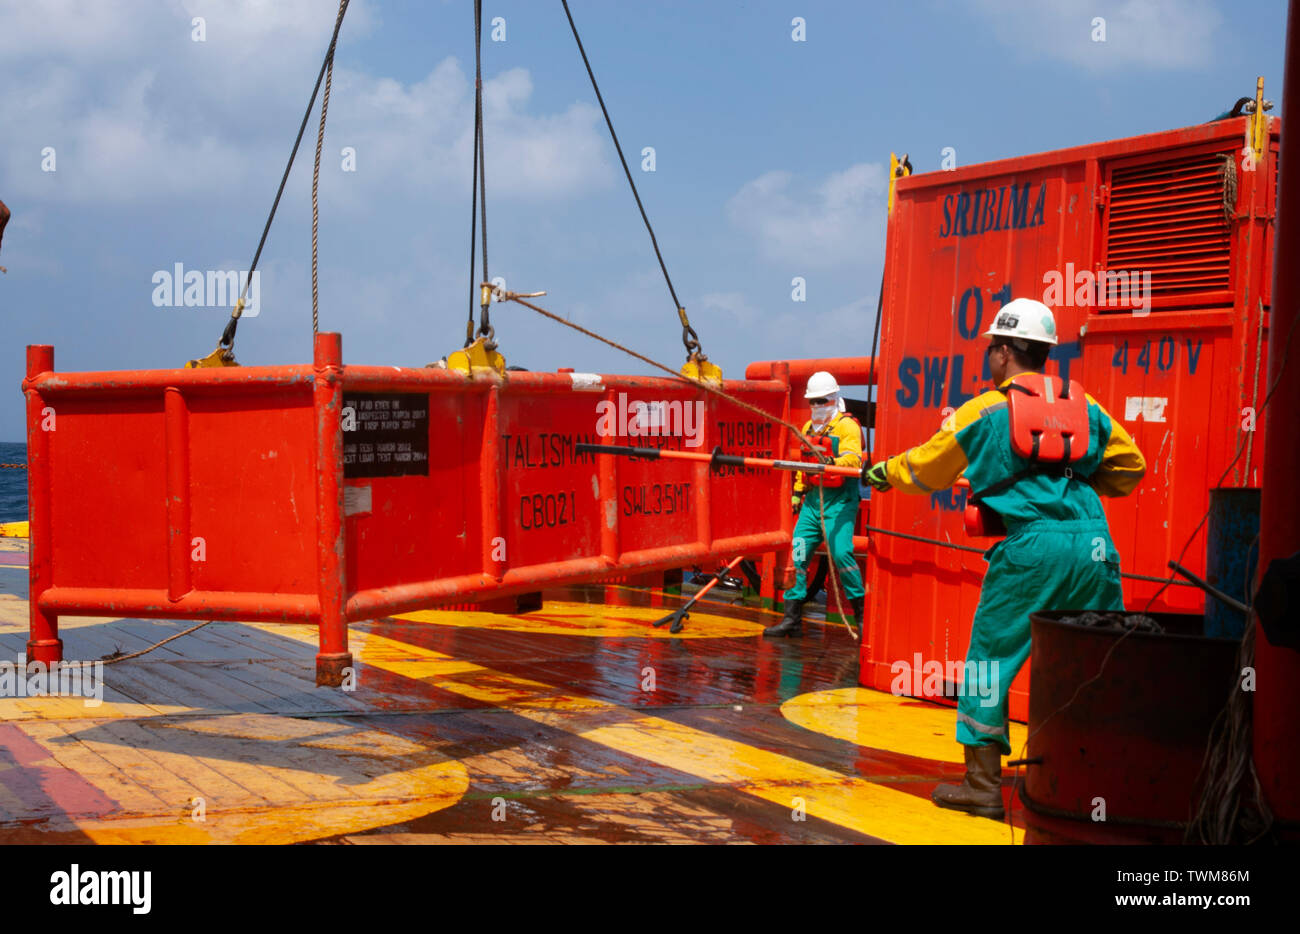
{"x":980,"y":792}
{"x":856,"y":605}
{"x":792,"y":624}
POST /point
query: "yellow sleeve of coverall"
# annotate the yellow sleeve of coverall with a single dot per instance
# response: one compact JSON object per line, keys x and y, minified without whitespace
{"x":936,"y":464}
{"x":1122,"y":464}
{"x":850,"y":446}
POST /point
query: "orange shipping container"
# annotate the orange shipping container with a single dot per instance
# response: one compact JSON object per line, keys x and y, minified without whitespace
{"x":1156,"y":255}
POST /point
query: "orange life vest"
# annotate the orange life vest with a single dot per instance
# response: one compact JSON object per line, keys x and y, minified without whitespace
{"x":1049,"y":419}
{"x":1049,"y":427}
{"x":828,"y":446}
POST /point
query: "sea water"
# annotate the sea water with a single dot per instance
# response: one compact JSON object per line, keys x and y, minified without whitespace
{"x":13,"y":483}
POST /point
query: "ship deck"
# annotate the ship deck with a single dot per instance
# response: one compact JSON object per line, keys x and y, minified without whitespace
{"x":576,"y":723}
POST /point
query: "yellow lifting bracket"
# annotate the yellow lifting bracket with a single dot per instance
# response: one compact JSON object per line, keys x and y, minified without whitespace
{"x":1259,"y":121}
{"x":477,"y":358}
{"x":898,"y":168}
{"x":224,"y":355}
{"x":697,"y":366}
{"x":480,"y":354}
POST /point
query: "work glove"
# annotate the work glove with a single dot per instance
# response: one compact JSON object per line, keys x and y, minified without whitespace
{"x":796,"y":501}
{"x":876,"y":476}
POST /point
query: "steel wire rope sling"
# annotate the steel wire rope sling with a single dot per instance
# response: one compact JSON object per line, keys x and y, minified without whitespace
{"x":315,"y":174}
{"x":478,"y":200}
{"x":479,"y":353}
{"x":696,"y":362}
{"x":697,"y":369}
{"x":224,"y":355}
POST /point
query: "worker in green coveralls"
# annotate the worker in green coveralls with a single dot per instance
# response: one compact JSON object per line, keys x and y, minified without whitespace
{"x":818,"y":499}
{"x":1058,"y":552}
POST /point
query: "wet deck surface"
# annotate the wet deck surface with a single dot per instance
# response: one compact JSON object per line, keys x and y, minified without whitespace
{"x":576,"y":723}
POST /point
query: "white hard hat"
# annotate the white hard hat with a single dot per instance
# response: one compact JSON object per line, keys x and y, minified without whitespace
{"x":821,"y":385}
{"x":1026,"y":319}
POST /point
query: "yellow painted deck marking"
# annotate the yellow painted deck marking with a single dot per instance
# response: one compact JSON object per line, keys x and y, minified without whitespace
{"x":264,"y":778}
{"x":585,"y":619}
{"x":882,"y":721}
{"x":14,"y":530}
{"x":71,"y":708}
{"x":82,"y":760}
{"x":393,"y":799}
{"x":851,"y":802}
{"x":270,"y":778}
{"x":855,"y":803}
{"x":299,"y":780}
{"x":259,"y":727}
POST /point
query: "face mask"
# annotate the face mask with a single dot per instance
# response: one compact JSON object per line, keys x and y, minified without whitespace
{"x":821,"y":414}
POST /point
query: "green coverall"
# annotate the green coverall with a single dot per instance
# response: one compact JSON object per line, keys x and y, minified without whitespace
{"x":1058,"y":553}
{"x":840,"y":505}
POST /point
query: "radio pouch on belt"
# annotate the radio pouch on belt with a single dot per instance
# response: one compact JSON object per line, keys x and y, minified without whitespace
{"x":980,"y":520}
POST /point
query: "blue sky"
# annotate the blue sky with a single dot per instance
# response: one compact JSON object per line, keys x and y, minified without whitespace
{"x":771,"y":159}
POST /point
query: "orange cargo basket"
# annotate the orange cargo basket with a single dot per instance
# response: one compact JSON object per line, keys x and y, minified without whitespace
{"x":325,"y":493}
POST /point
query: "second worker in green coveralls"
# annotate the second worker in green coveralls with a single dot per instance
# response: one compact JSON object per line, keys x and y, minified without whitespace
{"x":1058,"y":553}
{"x":834,"y":502}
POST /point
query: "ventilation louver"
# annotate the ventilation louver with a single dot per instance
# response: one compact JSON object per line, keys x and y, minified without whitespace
{"x":1171,"y":219}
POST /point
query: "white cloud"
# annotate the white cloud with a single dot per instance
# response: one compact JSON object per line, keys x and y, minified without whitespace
{"x":837,"y":222}
{"x":64,"y":27}
{"x":421,"y":136}
{"x":1157,"y":34}
{"x":842,"y":330}
{"x":831,"y":233}
{"x":731,"y":304}
{"x":212,"y":122}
